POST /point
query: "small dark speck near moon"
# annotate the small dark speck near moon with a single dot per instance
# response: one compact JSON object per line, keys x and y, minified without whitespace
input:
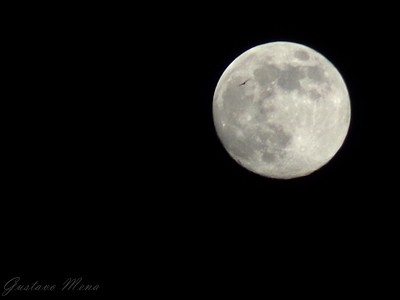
{"x":244,"y":82}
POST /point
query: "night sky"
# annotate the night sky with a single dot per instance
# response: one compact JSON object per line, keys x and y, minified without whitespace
{"x":112,"y":169}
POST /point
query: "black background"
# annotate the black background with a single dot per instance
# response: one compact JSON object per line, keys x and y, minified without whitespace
{"x":112,"y":169}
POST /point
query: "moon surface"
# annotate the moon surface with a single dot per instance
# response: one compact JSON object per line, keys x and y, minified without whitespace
{"x":281,"y":110}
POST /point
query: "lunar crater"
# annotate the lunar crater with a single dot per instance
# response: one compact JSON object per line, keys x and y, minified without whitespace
{"x":314,"y":95}
{"x":302,"y":55}
{"x":316,"y":73}
{"x":275,"y":135}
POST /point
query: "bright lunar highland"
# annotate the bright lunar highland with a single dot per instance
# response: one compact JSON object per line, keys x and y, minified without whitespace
{"x":281,"y":110}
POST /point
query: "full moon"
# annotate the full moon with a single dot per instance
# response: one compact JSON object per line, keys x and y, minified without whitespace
{"x":281,"y":110}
